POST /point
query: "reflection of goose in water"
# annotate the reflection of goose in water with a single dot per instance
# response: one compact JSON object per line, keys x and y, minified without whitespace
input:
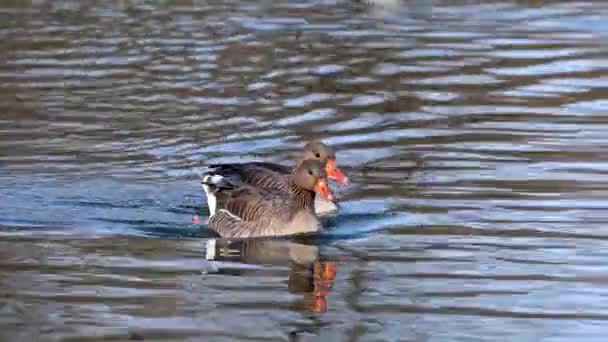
{"x":307,"y":274}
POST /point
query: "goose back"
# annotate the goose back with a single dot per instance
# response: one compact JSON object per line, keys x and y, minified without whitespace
{"x":258,"y":174}
{"x":267,"y":176}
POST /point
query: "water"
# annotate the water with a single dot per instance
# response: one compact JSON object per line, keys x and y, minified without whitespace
{"x":474,"y":134}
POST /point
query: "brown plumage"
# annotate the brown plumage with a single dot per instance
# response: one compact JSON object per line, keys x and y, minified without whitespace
{"x":247,"y":211}
{"x":272,"y":176}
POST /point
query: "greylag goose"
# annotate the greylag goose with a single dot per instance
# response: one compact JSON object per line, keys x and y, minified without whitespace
{"x":248,"y":211}
{"x":275,"y":176}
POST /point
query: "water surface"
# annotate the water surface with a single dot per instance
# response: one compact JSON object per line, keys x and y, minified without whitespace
{"x":474,"y":134}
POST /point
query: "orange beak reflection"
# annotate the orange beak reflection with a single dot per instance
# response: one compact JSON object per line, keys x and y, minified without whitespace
{"x":334,"y":172}
{"x":322,"y":189}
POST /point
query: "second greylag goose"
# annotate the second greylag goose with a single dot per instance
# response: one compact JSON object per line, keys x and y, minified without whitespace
{"x":275,"y":176}
{"x":247,"y":211}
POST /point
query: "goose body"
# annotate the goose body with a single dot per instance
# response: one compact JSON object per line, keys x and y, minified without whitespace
{"x":275,"y":177}
{"x":238,"y":209}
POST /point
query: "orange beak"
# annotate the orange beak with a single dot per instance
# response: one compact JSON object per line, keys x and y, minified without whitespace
{"x":334,"y":172}
{"x":322,"y":189}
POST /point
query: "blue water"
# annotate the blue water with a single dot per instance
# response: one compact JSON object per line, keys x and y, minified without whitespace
{"x":472,"y":132}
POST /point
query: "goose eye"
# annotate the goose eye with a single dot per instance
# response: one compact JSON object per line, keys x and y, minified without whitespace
{"x":310,"y":172}
{"x":318,"y":155}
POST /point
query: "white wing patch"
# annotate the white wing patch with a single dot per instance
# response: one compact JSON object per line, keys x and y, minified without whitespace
{"x":212,"y":179}
{"x":211,"y":199}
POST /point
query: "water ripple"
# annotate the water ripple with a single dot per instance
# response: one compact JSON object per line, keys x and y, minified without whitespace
{"x":473,"y":135}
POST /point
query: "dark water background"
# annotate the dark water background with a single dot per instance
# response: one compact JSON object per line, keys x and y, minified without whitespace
{"x":475,"y":134}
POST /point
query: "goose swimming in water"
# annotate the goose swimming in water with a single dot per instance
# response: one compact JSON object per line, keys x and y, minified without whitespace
{"x":275,"y":176}
{"x":242,"y":210}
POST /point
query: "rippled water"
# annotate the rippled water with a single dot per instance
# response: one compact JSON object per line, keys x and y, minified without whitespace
{"x":474,"y":133}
